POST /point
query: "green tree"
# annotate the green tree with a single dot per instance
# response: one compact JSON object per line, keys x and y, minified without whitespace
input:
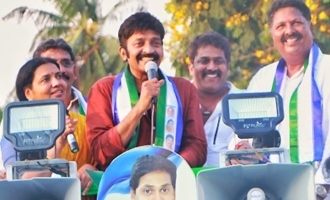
{"x":80,"y":23}
{"x":244,"y":23}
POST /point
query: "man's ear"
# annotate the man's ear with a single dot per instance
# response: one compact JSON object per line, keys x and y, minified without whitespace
{"x":311,"y":28}
{"x":228,"y":66}
{"x":123,"y":53}
{"x":228,"y":69}
{"x":132,"y":194}
{"x":191,"y":69}
{"x":75,"y":71}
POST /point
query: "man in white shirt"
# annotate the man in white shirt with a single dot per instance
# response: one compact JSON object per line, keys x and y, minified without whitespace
{"x":302,"y":77}
{"x":209,"y":55}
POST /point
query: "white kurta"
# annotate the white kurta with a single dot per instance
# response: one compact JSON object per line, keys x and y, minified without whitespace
{"x":263,"y":81}
{"x":218,"y":139}
{"x":81,"y":99}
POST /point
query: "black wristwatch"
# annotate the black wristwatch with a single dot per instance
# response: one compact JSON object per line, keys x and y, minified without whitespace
{"x":321,"y":191}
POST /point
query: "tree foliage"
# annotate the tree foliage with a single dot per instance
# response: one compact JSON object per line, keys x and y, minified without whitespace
{"x":244,"y":23}
{"x":80,"y":23}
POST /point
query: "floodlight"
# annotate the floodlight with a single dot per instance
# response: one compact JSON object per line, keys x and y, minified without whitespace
{"x":254,"y":115}
{"x":33,"y":126}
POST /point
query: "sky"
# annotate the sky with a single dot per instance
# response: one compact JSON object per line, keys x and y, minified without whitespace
{"x":16,"y":38}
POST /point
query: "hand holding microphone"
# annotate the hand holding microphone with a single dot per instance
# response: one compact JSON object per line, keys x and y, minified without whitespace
{"x":151,"y":69}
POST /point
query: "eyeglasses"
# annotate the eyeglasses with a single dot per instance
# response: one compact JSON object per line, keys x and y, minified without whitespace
{"x":66,"y":63}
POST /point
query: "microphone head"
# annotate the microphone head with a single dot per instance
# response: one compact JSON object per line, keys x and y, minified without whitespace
{"x":150,"y":65}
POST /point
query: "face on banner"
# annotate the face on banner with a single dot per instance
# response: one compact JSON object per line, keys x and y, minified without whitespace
{"x":148,"y":173}
{"x":154,"y":185}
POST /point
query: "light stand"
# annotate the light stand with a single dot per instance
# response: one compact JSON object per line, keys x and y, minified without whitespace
{"x":254,"y":115}
{"x":33,"y":127}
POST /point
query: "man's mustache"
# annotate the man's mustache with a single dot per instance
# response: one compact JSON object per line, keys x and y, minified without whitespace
{"x":149,"y":55}
{"x":218,"y":72}
{"x":293,"y":35}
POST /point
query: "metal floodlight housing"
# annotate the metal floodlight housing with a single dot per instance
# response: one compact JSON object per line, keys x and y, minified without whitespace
{"x":34,"y":125}
{"x":252,"y":115}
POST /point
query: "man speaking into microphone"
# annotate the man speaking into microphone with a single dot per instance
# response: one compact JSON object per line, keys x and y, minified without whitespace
{"x":120,"y":115}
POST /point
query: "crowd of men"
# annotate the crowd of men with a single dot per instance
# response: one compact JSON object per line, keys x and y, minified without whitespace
{"x":186,"y":115}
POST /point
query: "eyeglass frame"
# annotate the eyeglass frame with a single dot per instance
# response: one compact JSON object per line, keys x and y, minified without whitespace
{"x":66,"y":63}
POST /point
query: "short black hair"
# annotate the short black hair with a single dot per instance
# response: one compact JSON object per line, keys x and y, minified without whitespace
{"x":170,"y":120}
{"x":150,"y":163}
{"x":57,"y":43}
{"x":209,"y":38}
{"x":25,"y":75}
{"x":138,"y":22}
{"x":278,"y":4}
{"x":169,"y":136}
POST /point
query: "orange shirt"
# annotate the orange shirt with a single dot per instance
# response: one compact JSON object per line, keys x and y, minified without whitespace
{"x":83,"y":156}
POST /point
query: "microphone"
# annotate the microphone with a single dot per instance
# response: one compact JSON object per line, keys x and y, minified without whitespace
{"x":151,"y":69}
{"x":72,"y":140}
